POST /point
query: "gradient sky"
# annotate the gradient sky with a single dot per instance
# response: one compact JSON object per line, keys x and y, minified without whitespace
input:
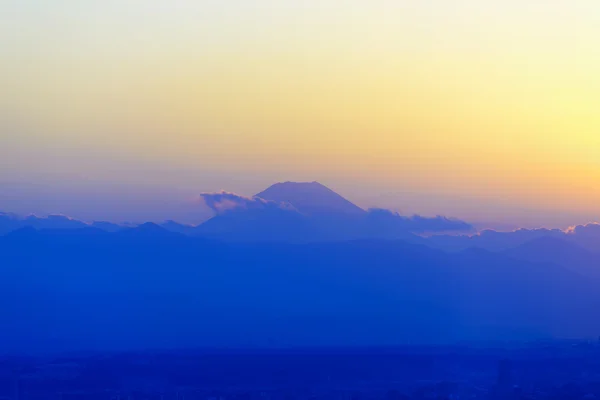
{"x":481,"y":109}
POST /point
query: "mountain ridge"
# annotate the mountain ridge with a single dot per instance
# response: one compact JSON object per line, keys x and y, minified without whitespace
{"x":162,"y":290}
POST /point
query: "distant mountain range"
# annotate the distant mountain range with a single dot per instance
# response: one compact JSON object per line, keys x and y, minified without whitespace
{"x":310,"y":212}
{"x":584,"y":236}
{"x":290,"y":211}
{"x":12,"y":222}
{"x":299,"y":266}
{"x":147,"y":287}
{"x":552,"y":250}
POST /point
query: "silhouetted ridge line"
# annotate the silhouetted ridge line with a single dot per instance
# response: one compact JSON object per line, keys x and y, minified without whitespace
{"x":149,"y":229}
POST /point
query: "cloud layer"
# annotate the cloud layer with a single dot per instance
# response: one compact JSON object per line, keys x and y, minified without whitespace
{"x":224,"y":202}
{"x":589,"y":229}
{"x":417,"y":223}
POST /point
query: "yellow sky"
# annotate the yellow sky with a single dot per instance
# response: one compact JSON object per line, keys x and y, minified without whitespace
{"x":478,"y":98}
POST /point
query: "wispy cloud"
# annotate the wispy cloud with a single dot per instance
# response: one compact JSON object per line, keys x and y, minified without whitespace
{"x":223,"y":202}
{"x":418,"y":223}
{"x":592,"y":228}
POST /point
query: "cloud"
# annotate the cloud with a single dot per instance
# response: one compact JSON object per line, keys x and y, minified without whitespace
{"x":592,"y":228}
{"x":418,"y":223}
{"x":224,"y":202}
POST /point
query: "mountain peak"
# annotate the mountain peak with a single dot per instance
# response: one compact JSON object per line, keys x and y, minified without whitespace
{"x":310,"y":198}
{"x":149,"y":229}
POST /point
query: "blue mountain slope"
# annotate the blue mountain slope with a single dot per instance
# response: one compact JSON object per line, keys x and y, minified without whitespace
{"x":148,"y":288}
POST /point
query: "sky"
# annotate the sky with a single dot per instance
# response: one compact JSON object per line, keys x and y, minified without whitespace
{"x":127,"y":109}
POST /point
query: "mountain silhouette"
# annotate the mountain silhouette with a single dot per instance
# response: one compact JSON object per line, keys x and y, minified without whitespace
{"x":559,"y":251}
{"x":12,"y":222}
{"x":584,"y":236}
{"x":174,"y":226}
{"x":106,"y":226}
{"x":69,"y":291}
{"x":310,"y":212}
{"x":289,"y":211}
{"x":310,"y":198}
{"x":148,"y":230}
{"x":260,"y":224}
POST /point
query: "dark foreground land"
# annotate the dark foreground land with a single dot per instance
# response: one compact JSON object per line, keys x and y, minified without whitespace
{"x":540,"y":371}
